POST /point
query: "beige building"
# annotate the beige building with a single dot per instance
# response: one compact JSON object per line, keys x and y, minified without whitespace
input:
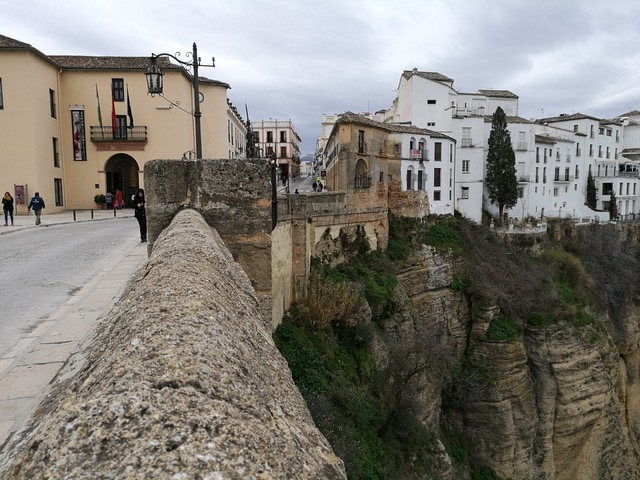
{"x":72,"y":127}
{"x":279,"y":138}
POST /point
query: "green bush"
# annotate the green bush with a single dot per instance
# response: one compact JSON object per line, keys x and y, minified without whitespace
{"x":444,"y":237}
{"x":504,"y":329}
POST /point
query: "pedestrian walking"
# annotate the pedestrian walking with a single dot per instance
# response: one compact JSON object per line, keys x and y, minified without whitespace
{"x":37,"y":205}
{"x":315,"y":186}
{"x":7,"y":206}
{"x":109,"y":197}
{"x":141,"y":214}
{"x":119,"y":201}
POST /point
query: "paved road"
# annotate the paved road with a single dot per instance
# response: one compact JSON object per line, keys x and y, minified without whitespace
{"x":58,"y":280}
{"x":41,"y":268}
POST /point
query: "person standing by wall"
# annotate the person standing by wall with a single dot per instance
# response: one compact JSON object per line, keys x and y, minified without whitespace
{"x":109,"y":197}
{"x":141,"y":214}
{"x":7,"y":206}
{"x":37,"y":204}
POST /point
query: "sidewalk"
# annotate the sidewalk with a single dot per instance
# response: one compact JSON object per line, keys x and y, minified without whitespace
{"x":55,"y":348}
{"x":23,"y":220}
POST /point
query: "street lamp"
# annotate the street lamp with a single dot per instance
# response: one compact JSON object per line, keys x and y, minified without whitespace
{"x":154,"y":85}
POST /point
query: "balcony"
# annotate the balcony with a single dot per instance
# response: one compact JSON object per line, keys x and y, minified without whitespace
{"x":422,"y":155}
{"x":521,"y":147}
{"x":123,"y":134}
{"x":563,"y":179}
{"x":523,"y":178}
{"x":466,"y":143}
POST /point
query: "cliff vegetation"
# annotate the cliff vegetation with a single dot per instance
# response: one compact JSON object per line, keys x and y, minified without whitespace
{"x":459,"y":353}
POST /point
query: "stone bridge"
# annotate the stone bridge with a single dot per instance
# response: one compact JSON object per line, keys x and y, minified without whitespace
{"x":182,"y":379}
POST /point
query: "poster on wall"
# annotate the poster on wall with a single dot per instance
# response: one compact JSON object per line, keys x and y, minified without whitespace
{"x":77,"y":127}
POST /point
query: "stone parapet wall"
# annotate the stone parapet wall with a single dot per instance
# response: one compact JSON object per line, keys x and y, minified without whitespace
{"x":233,"y":196}
{"x":182,"y":380}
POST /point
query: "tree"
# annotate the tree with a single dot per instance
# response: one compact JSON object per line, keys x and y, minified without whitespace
{"x":501,"y":180}
{"x":613,"y":206}
{"x":592,"y":199}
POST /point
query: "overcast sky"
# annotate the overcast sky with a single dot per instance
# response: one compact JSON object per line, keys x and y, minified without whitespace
{"x":297,"y":59}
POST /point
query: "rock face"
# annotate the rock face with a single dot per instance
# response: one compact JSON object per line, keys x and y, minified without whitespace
{"x":562,"y":403}
{"x":182,"y":381}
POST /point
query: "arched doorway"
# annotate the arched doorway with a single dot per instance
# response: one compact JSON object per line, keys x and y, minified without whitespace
{"x":121,"y":171}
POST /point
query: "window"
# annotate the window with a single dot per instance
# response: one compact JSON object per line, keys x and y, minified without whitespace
{"x":437,"y":151}
{"x":431,"y":124}
{"x":283,"y":152}
{"x":555,"y":191}
{"x":269,"y":136}
{"x":520,"y":192}
{"x":361,"y":147}
{"x":117,"y":89}
{"x":57,"y":189}
{"x":609,"y":131}
{"x":420,"y":180}
{"x":537,"y":154}
{"x":409,"y":180}
{"x":522,"y":141}
{"x":465,"y":193}
{"x":1,"y":101}
{"x":256,"y":136}
{"x":431,"y":102}
{"x":283,"y":136}
{"x":436,"y":177}
{"x":52,"y":103}
{"x":56,"y":153}
{"x":577,"y":172}
{"x":607,"y":188}
{"x":566,"y":174}
{"x":436,"y":195}
{"x":121,"y":127}
{"x":575,"y":129}
{"x":556,"y":175}
{"x":466,"y":137}
{"x":465,"y":166}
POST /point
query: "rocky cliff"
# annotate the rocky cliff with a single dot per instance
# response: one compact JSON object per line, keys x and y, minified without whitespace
{"x":558,"y":401}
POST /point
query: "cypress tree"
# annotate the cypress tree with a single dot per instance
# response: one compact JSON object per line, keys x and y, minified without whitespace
{"x":501,"y":180}
{"x":613,"y":206}
{"x":592,"y":199}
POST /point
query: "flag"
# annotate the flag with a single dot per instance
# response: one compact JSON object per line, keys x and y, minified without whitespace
{"x":114,"y":122}
{"x":129,"y":112}
{"x":99,"y":111}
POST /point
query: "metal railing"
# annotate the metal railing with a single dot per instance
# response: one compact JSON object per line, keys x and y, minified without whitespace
{"x":120,"y":134}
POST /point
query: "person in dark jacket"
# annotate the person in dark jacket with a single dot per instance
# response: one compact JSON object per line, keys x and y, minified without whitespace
{"x":140,"y":214}
{"x":7,"y":206}
{"x":37,"y":205}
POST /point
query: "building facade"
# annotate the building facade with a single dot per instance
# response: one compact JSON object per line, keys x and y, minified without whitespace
{"x":554,"y":156}
{"x":72,"y":127}
{"x":278,"y":139}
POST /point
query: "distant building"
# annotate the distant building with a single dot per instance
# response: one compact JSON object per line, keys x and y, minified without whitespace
{"x":279,"y":138}
{"x":72,"y":127}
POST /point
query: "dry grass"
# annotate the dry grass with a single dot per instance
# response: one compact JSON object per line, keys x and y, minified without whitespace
{"x":328,"y":302}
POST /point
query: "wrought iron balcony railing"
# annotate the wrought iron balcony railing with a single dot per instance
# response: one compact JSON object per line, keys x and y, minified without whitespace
{"x":121,"y":134}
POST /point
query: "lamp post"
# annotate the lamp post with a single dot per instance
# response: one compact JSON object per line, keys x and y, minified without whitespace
{"x":154,"y":85}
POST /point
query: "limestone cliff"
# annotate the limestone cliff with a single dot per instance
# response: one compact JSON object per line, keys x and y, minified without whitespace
{"x":562,"y":402}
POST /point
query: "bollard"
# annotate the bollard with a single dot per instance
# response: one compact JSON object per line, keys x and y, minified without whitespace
{"x":74,"y":215}
{"x":92,"y":214}
{"x":114,"y":213}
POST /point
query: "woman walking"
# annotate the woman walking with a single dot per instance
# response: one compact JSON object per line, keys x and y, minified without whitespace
{"x":7,"y":206}
{"x":140,"y":214}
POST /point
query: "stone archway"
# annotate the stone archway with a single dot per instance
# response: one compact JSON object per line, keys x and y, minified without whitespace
{"x":121,"y":172}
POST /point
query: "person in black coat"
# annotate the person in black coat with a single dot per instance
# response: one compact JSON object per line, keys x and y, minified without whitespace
{"x":140,"y":214}
{"x":7,"y":206}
